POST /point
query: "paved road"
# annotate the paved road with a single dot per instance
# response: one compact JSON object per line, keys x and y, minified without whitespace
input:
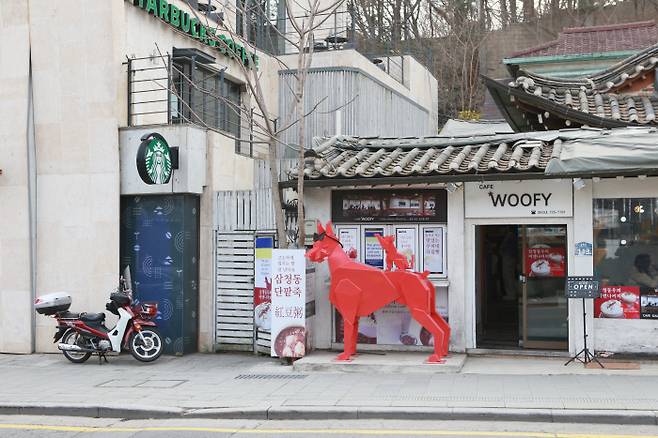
{"x":65,"y":427}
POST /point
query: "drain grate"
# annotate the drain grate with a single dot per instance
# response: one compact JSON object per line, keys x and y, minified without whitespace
{"x":271,"y":376}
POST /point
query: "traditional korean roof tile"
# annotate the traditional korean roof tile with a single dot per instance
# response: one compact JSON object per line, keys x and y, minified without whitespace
{"x":354,"y":157}
{"x":622,"y":95}
{"x":346,"y":160}
{"x":597,"y":39}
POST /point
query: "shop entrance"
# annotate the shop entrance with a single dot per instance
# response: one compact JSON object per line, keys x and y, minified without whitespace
{"x":520,"y":279}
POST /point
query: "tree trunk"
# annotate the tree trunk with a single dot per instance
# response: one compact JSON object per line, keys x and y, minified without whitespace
{"x":528,"y":10}
{"x":512,"y":11}
{"x":504,"y":17}
{"x":279,"y":220}
{"x":301,"y":140}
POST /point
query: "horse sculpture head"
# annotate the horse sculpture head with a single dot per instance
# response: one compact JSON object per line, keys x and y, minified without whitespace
{"x":324,"y":243}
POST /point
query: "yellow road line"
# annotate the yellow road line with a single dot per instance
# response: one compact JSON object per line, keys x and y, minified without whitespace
{"x":374,"y":432}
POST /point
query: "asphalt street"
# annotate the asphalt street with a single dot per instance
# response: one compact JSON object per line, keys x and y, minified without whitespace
{"x":65,"y":427}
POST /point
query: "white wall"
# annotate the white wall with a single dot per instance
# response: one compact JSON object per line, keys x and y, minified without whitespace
{"x":75,"y":67}
{"x":317,"y":204}
{"x":15,"y":277}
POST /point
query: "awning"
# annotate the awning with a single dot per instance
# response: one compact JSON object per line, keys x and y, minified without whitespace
{"x":634,"y":153}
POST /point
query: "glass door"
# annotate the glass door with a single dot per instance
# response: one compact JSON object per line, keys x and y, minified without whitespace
{"x":544,"y":316}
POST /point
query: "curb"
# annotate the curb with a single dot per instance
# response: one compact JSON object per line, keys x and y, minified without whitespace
{"x":627,"y":417}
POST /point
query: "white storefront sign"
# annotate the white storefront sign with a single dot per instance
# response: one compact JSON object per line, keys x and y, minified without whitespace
{"x":513,"y":199}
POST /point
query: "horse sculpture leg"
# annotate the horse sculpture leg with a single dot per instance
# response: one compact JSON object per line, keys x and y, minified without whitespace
{"x":347,"y":296}
{"x":440,"y":336}
{"x":348,"y":340}
{"x":446,"y":331}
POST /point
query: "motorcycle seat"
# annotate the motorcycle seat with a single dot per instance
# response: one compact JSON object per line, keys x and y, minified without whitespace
{"x":92,"y":317}
{"x":68,"y":315}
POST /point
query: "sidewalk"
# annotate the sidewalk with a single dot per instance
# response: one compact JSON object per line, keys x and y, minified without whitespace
{"x":248,"y":386}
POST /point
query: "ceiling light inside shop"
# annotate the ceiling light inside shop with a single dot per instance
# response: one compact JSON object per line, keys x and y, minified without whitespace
{"x":623,"y":218}
{"x":623,"y":241}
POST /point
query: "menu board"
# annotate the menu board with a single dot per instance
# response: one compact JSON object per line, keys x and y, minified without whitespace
{"x":545,"y":262}
{"x":389,"y":206}
{"x":373,"y":252}
{"x":405,"y":242}
{"x":433,"y":250}
{"x":349,"y":237}
{"x":620,"y":302}
{"x":288,"y":303}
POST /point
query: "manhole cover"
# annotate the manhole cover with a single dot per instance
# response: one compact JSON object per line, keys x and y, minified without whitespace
{"x":270,"y":376}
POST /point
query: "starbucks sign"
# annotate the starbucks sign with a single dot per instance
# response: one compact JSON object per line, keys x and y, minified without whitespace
{"x":154,"y":159}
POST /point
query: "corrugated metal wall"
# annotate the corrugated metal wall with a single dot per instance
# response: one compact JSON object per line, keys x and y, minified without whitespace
{"x":367,"y":107}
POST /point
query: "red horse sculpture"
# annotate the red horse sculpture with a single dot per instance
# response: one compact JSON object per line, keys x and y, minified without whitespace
{"x":358,"y":290}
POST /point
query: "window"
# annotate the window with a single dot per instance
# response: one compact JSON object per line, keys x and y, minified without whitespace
{"x":207,"y":98}
{"x":626,"y":257}
{"x":262,"y":23}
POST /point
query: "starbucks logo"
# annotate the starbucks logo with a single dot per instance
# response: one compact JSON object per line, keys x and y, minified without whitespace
{"x":154,"y":159}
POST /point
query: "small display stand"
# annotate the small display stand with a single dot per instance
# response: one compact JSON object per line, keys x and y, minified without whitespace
{"x":583,"y":288}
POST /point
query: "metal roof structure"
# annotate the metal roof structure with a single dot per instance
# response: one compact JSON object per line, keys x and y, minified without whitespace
{"x":345,"y":160}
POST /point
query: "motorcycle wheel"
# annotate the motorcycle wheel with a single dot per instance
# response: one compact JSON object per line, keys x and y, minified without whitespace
{"x":72,"y":337}
{"x":148,"y":350}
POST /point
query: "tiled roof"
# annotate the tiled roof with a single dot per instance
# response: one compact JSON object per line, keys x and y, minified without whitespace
{"x":355,"y":160}
{"x":602,"y":100}
{"x":597,"y":39}
{"x":354,"y":157}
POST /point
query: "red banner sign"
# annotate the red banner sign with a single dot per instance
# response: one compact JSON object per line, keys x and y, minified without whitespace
{"x":622,"y":302}
{"x":545,"y":262}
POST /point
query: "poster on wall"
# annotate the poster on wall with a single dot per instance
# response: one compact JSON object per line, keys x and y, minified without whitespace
{"x":263,"y":283}
{"x":405,"y":242}
{"x":620,"y":302}
{"x":648,"y":303}
{"x":545,"y":261}
{"x":349,"y":237}
{"x":373,"y":252}
{"x":288,"y":303}
{"x":390,"y":206}
{"x":393,"y":325}
{"x":433,"y":250}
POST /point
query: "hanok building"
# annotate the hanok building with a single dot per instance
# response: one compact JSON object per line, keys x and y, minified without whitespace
{"x":499,"y":222}
{"x":583,"y":51}
{"x":622,"y":95}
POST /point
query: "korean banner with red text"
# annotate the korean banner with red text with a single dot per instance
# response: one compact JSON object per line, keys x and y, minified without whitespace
{"x":288,"y":303}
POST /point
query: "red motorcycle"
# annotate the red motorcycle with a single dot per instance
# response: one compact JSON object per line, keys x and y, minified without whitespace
{"x":84,"y":334}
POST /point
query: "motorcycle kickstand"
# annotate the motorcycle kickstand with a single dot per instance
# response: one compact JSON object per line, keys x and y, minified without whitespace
{"x":101,"y":357}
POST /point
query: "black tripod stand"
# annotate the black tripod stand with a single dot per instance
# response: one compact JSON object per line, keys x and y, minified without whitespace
{"x":587,"y":355}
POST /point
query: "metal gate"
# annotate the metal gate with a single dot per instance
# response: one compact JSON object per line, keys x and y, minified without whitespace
{"x":235,"y":290}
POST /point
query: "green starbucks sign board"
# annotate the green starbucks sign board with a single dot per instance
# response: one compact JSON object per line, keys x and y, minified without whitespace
{"x":154,"y":162}
{"x":190,"y":25}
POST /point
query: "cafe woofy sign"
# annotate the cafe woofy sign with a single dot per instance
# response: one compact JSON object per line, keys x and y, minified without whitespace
{"x":510,"y":199}
{"x":154,"y":159}
{"x":181,"y":20}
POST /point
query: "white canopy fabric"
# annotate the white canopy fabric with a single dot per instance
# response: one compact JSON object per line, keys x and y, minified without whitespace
{"x":624,"y":151}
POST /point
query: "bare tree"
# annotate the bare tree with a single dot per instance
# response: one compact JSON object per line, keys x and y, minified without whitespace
{"x":305,"y":19}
